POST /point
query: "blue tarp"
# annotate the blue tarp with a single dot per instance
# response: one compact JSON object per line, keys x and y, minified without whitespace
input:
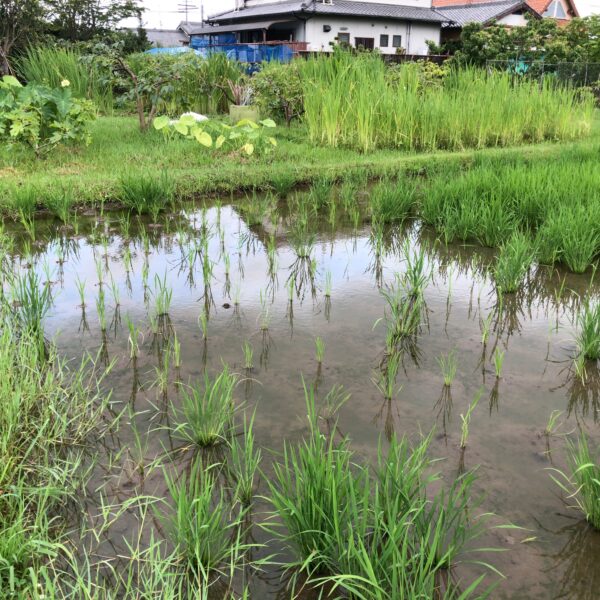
{"x":248,"y":53}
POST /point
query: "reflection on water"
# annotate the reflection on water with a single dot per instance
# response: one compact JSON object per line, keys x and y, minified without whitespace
{"x":190,"y":293}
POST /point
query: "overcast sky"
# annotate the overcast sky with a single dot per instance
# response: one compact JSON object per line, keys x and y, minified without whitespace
{"x":166,"y":14}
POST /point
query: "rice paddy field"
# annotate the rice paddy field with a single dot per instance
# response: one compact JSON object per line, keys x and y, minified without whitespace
{"x":365,"y":366}
{"x":288,"y":395}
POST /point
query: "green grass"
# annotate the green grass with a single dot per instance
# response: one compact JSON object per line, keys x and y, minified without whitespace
{"x":588,"y":331}
{"x":514,"y":260}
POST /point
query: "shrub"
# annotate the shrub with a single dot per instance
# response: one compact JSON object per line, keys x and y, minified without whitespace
{"x":278,"y":91}
{"x":41,"y":117}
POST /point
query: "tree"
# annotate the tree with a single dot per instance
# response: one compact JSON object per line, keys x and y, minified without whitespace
{"x":81,"y":20}
{"x":19,"y":20}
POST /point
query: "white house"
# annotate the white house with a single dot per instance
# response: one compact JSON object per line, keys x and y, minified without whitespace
{"x":390,"y":26}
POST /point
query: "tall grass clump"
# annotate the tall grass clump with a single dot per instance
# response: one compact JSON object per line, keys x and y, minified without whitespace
{"x":582,"y":482}
{"x":371,"y":532}
{"x":470,"y":109}
{"x":52,"y":66}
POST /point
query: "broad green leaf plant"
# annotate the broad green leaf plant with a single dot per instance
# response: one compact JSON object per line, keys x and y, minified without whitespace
{"x":41,"y":117}
{"x":246,"y":136}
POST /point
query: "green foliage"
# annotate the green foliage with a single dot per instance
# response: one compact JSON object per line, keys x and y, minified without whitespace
{"x":42,"y":118}
{"x":278,"y":91}
{"x":245,"y":137}
{"x":392,"y":201}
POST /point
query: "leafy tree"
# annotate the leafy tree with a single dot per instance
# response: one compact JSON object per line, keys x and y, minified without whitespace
{"x":19,"y":21}
{"x":84,"y":19}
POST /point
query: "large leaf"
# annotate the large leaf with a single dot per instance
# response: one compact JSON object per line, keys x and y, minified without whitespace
{"x":220,"y":141}
{"x":161,"y":122}
{"x":182,"y":128}
{"x":203,"y":138}
{"x":268,"y":123}
{"x":11,"y":81}
{"x":247,"y":123}
{"x":248,"y":149}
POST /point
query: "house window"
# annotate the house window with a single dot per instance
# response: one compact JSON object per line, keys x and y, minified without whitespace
{"x":364,"y":43}
{"x":384,"y":41}
{"x":343,"y":38}
{"x":397,"y":41}
{"x":555,"y":10}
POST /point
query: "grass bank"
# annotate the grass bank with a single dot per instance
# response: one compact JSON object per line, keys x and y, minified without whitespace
{"x":91,"y":174}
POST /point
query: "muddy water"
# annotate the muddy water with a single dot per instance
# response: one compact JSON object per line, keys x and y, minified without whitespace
{"x":554,"y":556}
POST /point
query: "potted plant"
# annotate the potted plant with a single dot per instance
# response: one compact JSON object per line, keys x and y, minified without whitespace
{"x":242,"y":107}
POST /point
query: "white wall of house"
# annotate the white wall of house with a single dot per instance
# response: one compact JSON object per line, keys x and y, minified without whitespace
{"x":513,"y":20}
{"x":413,"y":34}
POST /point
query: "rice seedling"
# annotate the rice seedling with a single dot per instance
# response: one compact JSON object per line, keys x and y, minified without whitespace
{"x":265,"y":314}
{"x":203,"y":322}
{"x":80,"y":285}
{"x":206,"y":413}
{"x":60,"y":201}
{"x":163,"y":295}
{"x":114,"y":288}
{"x":257,"y":209}
{"x":101,"y":308}
{"x":146,"y":192}
{"x":248,"y":356}
{"x":320,"y":349}
{"x":582,"y":482}
{"x":244,"y":463}
{"x":133,"y":338}
{"x":387,"y":380}
{"x":466,"y":420}
{"x":176,"y":352}
{"x":552,"y":420}
{"x":588,"y":334}
{"x":498,"y":360}
{"x":328,"y":284}
{"x":320,"y":192}
{"x":486,"y":325}
{"x":514,"y":261}
{"x":448,"y":365}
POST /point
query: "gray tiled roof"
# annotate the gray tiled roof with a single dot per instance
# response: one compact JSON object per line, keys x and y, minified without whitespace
{"x":336,"y":7}
{"x":480,"y":12}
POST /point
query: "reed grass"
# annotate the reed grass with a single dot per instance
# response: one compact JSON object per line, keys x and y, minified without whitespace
{"x":471,"y":109}
{"x":51,"y":66}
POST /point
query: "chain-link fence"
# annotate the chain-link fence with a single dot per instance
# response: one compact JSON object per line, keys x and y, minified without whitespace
{"x":574,"y":74}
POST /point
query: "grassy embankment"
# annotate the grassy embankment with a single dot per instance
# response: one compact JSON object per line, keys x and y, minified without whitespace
{"x":92,"y":173}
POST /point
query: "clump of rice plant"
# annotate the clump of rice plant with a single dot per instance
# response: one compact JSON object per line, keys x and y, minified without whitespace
{"x":257,"y":208}
{"x":583,"y":480}
{"x":514,"y":261}
{"x":205,"y":533}
{"x":370,"y":532}
{"x":60,"y":201}
{"x":248,"y":356}
{"x":588,"y":334}
{"x":146,"y":192}
{"x":448,"y":365}
{"x":392,"y":201}
{"x":206,"y":414}
{"x":163,"y":295}
{"x":283,"y":182}
{"x":244,"y":463}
